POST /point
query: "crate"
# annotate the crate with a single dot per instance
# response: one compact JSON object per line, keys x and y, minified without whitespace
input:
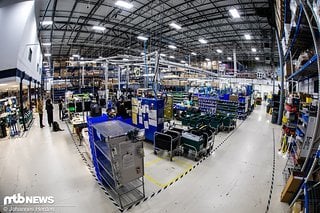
{"x":291,"y":188}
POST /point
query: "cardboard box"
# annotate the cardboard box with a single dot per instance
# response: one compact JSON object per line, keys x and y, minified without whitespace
{"x":233,"y":98}
{"x":291,"y":188}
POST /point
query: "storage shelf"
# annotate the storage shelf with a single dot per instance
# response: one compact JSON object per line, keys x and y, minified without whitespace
{"x":308,"y":69}
{"x":103,"y":148}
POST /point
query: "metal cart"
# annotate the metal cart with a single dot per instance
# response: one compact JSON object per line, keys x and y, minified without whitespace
{"x":200,"y":141}
{"x":168,"y":141}
{"x":118,"y":159}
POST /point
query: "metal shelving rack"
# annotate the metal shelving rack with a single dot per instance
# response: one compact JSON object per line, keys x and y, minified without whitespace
{"x":117,"y":154}
{"x":304,"y":35}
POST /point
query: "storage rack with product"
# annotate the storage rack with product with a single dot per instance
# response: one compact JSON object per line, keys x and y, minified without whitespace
{"x":302,"y":66}
{"x":117,"y":154}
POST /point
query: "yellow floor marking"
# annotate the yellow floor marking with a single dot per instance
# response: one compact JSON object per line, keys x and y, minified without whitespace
{"x":173,"y":179}
{"x":183,"y":163}
{"x":154,"y":181}
{"x":154,"y":161}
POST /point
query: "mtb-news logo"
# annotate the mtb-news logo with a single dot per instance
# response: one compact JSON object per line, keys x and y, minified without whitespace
{"x":20,"y":202}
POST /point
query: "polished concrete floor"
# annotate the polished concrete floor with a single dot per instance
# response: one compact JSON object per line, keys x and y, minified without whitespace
{"x":236,"y":178}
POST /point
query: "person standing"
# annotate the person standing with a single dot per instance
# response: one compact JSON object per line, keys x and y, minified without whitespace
{"x":60,"y":104}
{"x":49,"y":108}
{"x":40,"y":111}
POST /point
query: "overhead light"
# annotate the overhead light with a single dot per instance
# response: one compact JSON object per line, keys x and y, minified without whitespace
{"x":46,"y":44}
{"x":202,"y":41}
{"x":81,"y":58}
{"x":193,"y":53}
{"x":124,"y":4}
{"x":254,"y":50}
{"x":46,"y":23}
{"x":47,"y":54}
{"x":220,"y":62}
{"x":148,"y":75}
{"x":143,"y":38}
{"x":71,"y":58}
{"x":172,"y":47}
{"x":142,"y":54}
{"x":234,"y":13}
{"x":207,"y":59}
{"x":219,"y":51}
{"x":100,"y":56}
{"x":229,"y":58}
{"x":175,"y":26}
{"x":171,"y":56}
{"x":76,"y":56}
{"x":257,"y":58}
{"x":247,"y":36}
{"x":99,"y":28}
{"x":182,"y":61}
{"x":163,"y":55}
{"x":125,"y":59}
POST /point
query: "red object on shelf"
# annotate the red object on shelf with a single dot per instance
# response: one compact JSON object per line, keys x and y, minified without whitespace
{"x":291,"y":108}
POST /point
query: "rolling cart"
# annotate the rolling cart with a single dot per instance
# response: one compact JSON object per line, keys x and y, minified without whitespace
{"x":168,"y":141}
{"x":199,"y":140}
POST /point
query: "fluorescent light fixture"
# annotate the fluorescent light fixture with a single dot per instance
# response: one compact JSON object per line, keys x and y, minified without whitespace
{"x":220,"y":62}
{"x":175,"y":26}
{"x":172,"y":47}
{"x":234,"y":13}
{"x":99,"y":28}
{"x":182,"y":61}
{"x":100,"y":56}
{"x":142,"y":38}
{"x":125,"y":59}
{"x":76,"y":56}
{"x":148,"y":75}
{"x":124,"y":4}
{"x":47,"y":54}
{"x":46,"y":23}
{"x":229,"y":58}
{"x":163,"y":55}
{"x":46,"y":44}
{"x":257,"y":58}
{"x":207,"y":59}
{"x":171,"y":56}
{"x":71,"y":58}
{"x":193,"y":53}
{"x":81,"y":58}
{"x":247,"y":36}
{"x":202,"y":41}
{"x":219,"y":51}
{"x":254,"y":50}
{"x":142,"y":53}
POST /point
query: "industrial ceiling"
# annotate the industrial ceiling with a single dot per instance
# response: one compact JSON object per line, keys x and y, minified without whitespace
{"x":209,"y":29}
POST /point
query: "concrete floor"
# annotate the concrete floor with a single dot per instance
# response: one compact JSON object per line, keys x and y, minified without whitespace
{"x":235,"y":179}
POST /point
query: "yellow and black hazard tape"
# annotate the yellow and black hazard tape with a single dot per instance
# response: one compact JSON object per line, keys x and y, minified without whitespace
{"x":273,"y":171}
{"x":160,"y":190}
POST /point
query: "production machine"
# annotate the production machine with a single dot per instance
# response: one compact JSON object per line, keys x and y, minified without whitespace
{"x":118,"y":159}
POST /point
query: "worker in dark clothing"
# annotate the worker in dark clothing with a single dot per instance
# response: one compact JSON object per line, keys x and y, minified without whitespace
{"x":60,"y":104}
{"x":49,"y":108}
{"x":40,"y":111}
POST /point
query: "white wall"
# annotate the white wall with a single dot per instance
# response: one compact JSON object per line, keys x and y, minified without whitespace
{"x":18,"y":32}
{"x":30,"y":40}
